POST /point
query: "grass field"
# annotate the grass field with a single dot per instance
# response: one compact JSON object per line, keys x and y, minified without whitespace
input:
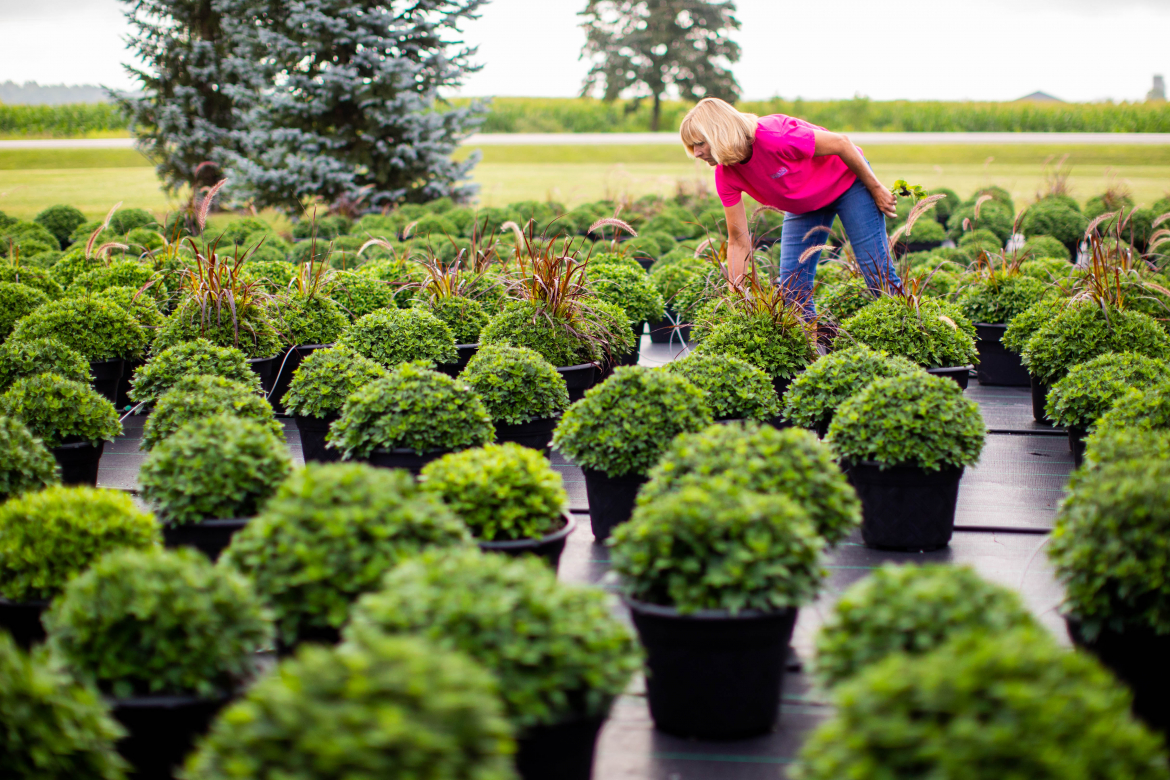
{"x":95,"y":179}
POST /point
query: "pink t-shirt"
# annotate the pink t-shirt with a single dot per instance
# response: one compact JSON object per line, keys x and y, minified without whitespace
{"x":783,"y":172}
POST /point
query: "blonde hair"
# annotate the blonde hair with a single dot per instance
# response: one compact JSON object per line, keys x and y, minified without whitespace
{"x":730,"y":133}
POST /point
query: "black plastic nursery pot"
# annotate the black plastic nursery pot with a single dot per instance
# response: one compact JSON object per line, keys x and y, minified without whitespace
{"x":1076,"y":444}
{"x":106,"y":375}
{"x":288,"y":364}
{"x":1039,"y":398}
{"x":780,"y":385}
{"x":403,"y":458}
{"x":998,"y":365}
{"x":1139,"y":658}
{"x":535,"y":434}
{"x":266,"y":369}
{"x":777,"y":422}
{"x":22,"y":619}
{"x":466,"y":352}
{"x":124,"y":384}
{"x":645,"y":262}
{"x":547,"y":547}
{"x":313,"y":431}
{"x":711,"y":674}
{"x":662,"y":331}
{"x":210,"y":537}
{"x":611,"y":500}
{"x":905,"y":508}
{"x":960,"y":375}
{"x":561,"y":751}
{"x":579,"y":378}
{"x":79,"y":462}
{"x":318,"y":635}
{"x":161,"y":730}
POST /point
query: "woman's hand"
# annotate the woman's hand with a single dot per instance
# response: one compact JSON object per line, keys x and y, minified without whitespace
{"x":885,"y":200}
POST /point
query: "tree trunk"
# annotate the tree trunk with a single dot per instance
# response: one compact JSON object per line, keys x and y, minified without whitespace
{"x":657,"y":113}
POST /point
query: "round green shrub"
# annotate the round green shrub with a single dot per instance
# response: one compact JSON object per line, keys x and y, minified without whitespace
{"x":47,"y":537}
{"x":933,"y":334}
{"x":1085,"y":330}
{"x":217,"y":467}
{"x":778,"y":348}
{"x":557,"y":651}
{"x":32,"y":277}
{"x":97,"y":329}
{"x":516,"y":384}
{"x":625,"y":424}
{"x":411,"y":408}
{"x":1116,"y":444}
{"x":1090,"y":389}
{"x":734,"y":388}
{"x":250,"y":331}
{"x":925,"y":231}
{"x":501,"y":491}
{"x":465,"y":317}
{"x":993,"y":216}
{"x":998,"y":298}
{"x":311,"y":319}
{"x":59,"y":411}
{"x":909,"y":420}
{"x":357,"y":294}
{"x":1046,"y":247}
{"x":521,"y":324}
{"x":399,"y":706}
{"x":963,"y":710}
{"x":141,"y":308}
{"x":16,"y":301}
{"x":670,"y":279}
{"x":815,"y":393}
{"x":910,"y":609}
{"x":196,"y":396}
{"x":121,"y":273}
{"x":159,"y":622}
{"x":25,"y":464}
{"x":60,"y":220}
{"x":394,"y":336}
{"x":275,"y":275}
{"x":126,"y":220}
{"x":329,"y":534}
{"x":1025,"y":324}
{"x":714,"y":545}
{"x":1056,"y":219}
{"x":843,"y":299}
{"x":190,"y":358}
{"x":612,"y":328}
{"x":326,"y":378}
{"x":29,"y":237}
{"x":629,"y":288}
{"x":1145,"y":409}
{"x":55,"y":728}
{"x":616,"y":258}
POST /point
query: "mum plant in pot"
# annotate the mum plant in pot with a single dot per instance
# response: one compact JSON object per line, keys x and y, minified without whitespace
{"x":523,"y":393}
{"x":16,"y":301}
{"x":620,"y":430}
{"x":328,"y":535}
{"x":25,"y":463}
{"x":632,"y":291}
{"x":19,"y":359}
{"x":990,"y":302}
{"x":399,"y":705}
{"x":449,"y":293}
{"x":199,"y":395}
{"x":908,"y":482}
{"x":716,"y":632}
{"x":167,"y":637}
{"x":669,"y":281}
{"x":72,"y":420}
{"x":409,"y":418}
{"x":1116,"y":444}
{"x":208,"y":478}
{"x":508,"y":495}
{"x":1020,"y":329}
{"x":560,"y":655}
{"x":390,"y":337}
{"x":164,"y":369}
{"x":813,"y":397}
{"x":309,"y":320}
{"x":1147,"y":409}
{"x":49,"y":536}
{"x":734,"y":388}
{"x":318,"y":390}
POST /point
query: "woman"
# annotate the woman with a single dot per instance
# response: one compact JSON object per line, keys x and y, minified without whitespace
{"x":805,"y":171}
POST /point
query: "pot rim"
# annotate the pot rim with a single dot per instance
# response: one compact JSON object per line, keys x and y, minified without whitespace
{"x":35,"y":603}
{"x":164,"y":700}
{"x":76,"y":445}
{"x":658,"y":610}
{"x":262,"y":359}
{"x":467,"y":346}
{"x":845,"y":462}
{"x":940,"y":369}
{"x":534,"y":420}
{"x":641,"y":478}
{"x":212,"y":522}
{"x":106,"y":362}
{"x":407,"y":451}
{"x":991,"y":325}
{"x":313,"y":346}
{"x":524,"y":544}
{"x":578,"y":367}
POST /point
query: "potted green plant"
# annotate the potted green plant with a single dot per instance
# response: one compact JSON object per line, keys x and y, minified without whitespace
{"x":391,"y":337}
{"x":735,"y":389}
{"x":813,"y":397}
{"x":328,"y":535}
{"x":208,"y":478}
{"x":195,"y":396}
{"x":310,"y":320}
{"x":669,"y":280}
{"x":16,"y":301}
{"x":400,"y":706}
{"x":560,"y":655}
{"x":904,"y":441}
{"x":71,"y":419}
{"x":25,"y":463}
{"x":990,"y":303}
{"x":318,"y":390}
{"x":358,"y":294}
{"x":409,"y":418}
{"x":619,"y":431}
{"x":508,"y":495}
{"x":927,"y":331}
{"x":38,"y":278}
{"x":1117,"y":444}
{"x":20,"y":359}
{"x":61,"y":220}
{"x":1020,"y":329}
{"x":715,"y":632}
{"x":777,"y":342}
{"x":841,"y":300}
{"x":1057,"y":219}
{"x":466,"y":317}
{"x":164,"y":370}
{"x":912,"y":610}
{"x":961,"y":710}
{"x":631,"y":290}
{"x":523,"y":393}
{"x":167,"y":637}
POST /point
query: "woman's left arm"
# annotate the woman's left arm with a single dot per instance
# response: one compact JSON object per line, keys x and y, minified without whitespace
{"x":840,"y":145}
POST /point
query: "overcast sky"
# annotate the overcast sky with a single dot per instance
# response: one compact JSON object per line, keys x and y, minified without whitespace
{"x":948,"y":49}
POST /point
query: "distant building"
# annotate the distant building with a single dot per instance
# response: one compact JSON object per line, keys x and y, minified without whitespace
{"x":1159,"y":90}
{"x":1040,"y":97}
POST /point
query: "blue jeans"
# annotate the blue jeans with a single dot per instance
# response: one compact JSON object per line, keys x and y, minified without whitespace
{"x":865,"y":227}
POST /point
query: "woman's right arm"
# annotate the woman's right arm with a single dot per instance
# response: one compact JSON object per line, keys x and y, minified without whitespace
{"x":739,"y":243}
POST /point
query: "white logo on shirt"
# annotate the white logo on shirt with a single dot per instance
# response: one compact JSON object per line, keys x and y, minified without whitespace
{"x":779,"y":173}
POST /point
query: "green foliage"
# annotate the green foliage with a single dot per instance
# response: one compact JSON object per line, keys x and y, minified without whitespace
{"x":933,"y":334}
{"x":196,"y":396}
{"x":1046,"y":247}
{"x":993,"y":216}
{"x":60,"y":411}
{"x":358,"y":294}
{"x":273,"y":274}
{"x":733,"y":388}
{"x":60,"y":220}
{"x":250,"y":331}
{"x":629,"y":288}
{"x":29,"y":237}
{"x":16,"y":301}
{"x":1111,"y":547}
{"x":218,"y":467}
{"x":95,"y":328}
{"x":326,"y":378}
{"x":166,"y":368}
{"x":815,"y":393}
{"x":843,"y":299}
{"x":25,"y":464}
{"x":1025,"y":324}
{"x":625,"y":424}
{"x":669,"y":279}
{"x":1089,"y":389}
{"x":33,"y":277}
{"x":141,"y":307}
{"x":394,"y":336}
{"x":1145,"y":409}
{"x":997,"y":298}
{"x":329,"y":534}
{"x":778,"y":348}
{"x":159,"y":622}
{"x":501,"y":491}
{"x":464,"y":316}
{"x":1116,"y":444}
{"x":121,"y":273}
{"x":411,"y":408}
{"x":925,"y":231}
{"x":521,"y":324}
{"x":55,"y":728}
{"x":962,"y":711}
{"x":909,"y":420}
{"x":312,"y":319}
{"x":516,"y":384}
{"x":1056,"y":219}
{"x":910,"y":609}
{"x":1085,"y":330}
{"x":399,"y":706}
{"x":125,"y":220}
{"x":557,"y":651}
